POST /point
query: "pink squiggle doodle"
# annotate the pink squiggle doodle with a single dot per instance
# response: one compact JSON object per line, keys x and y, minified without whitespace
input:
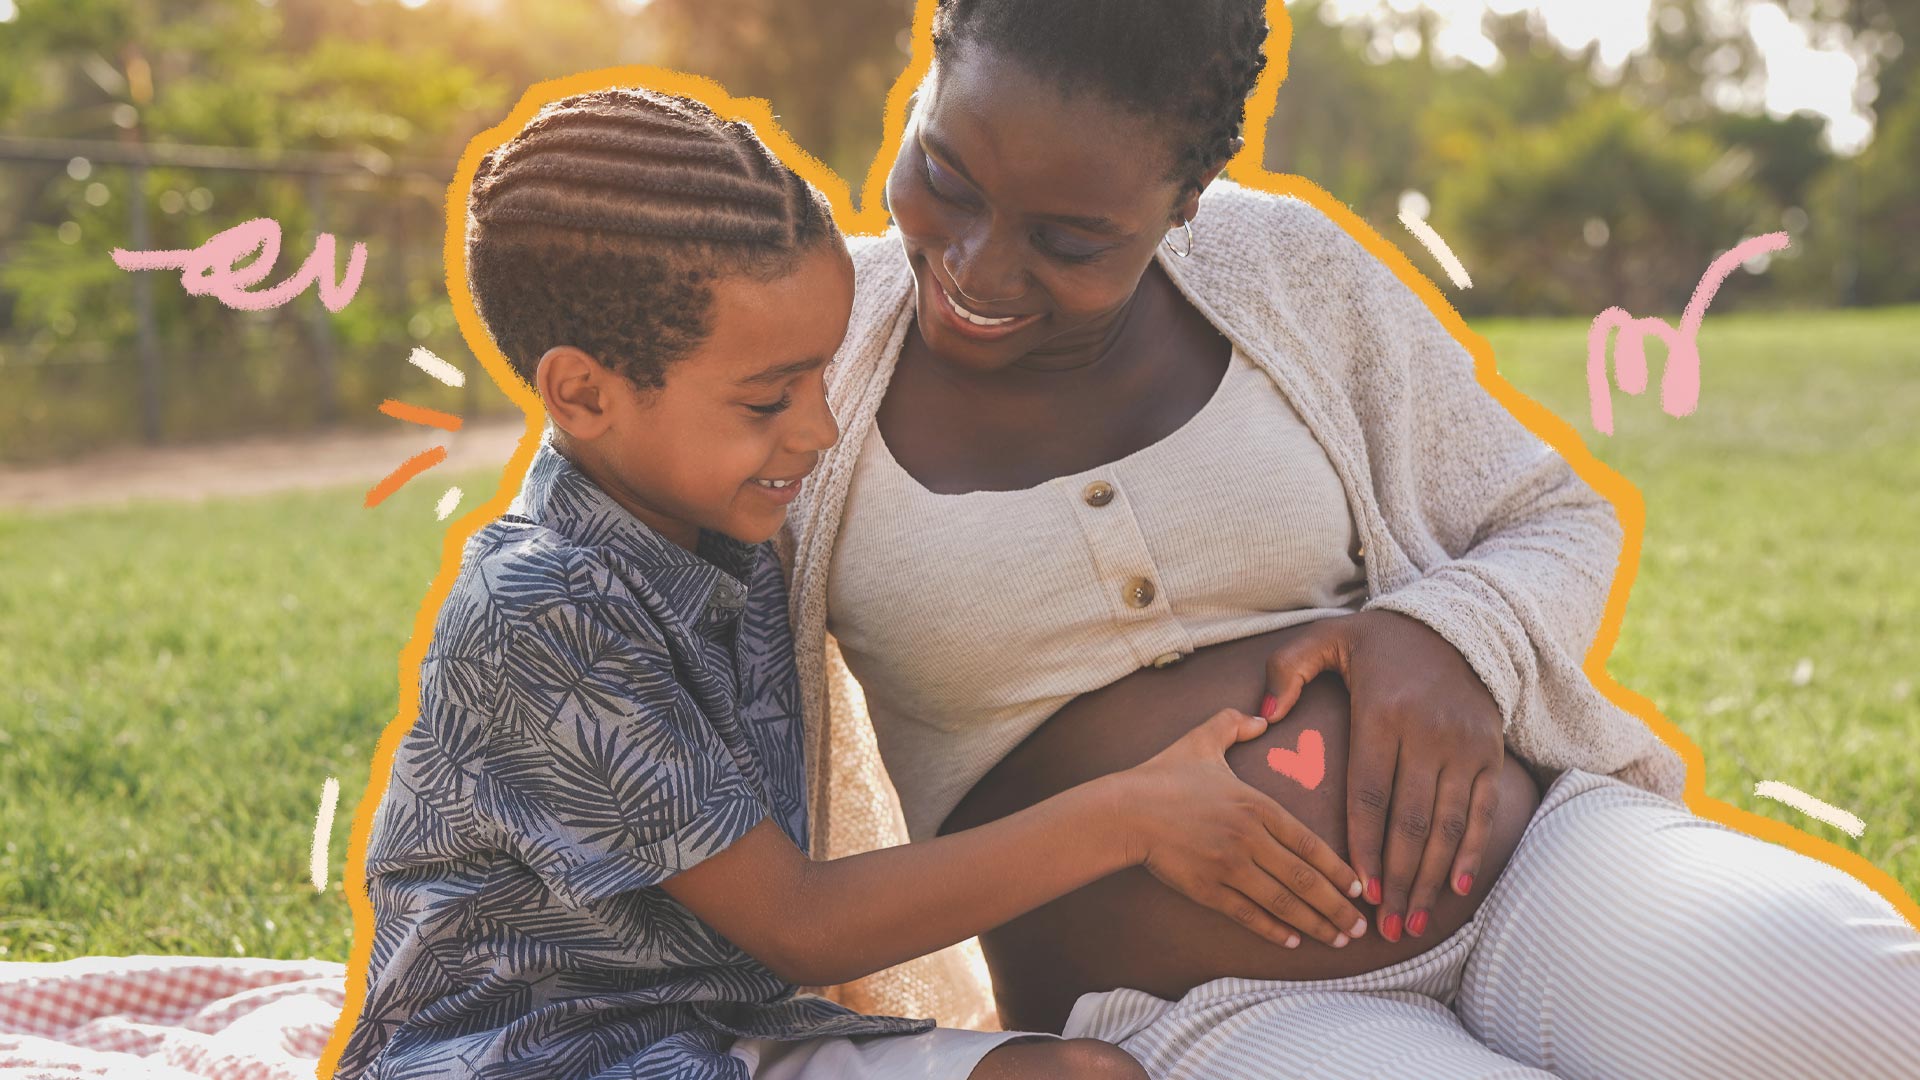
{"x":1680,"y":384}
{"x":211,"y":270}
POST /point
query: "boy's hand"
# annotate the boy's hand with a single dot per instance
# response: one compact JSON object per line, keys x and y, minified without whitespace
{"x":1203,"y":831}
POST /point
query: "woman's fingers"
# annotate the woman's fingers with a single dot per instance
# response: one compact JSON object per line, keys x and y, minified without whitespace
{"x":1411,"y":822}
{"x":1450,"y":803}
{"x":1370,"y":768}
{"x":1298,"y":662}
{"x":1482,"y":811}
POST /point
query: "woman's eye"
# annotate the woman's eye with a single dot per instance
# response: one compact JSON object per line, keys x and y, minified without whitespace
{"x":1065,"y":249}
{"x":942,"y":187}
{"x":774,"y":409}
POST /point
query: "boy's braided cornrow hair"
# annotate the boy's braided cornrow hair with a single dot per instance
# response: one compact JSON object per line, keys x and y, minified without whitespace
{"x":1189,"y":63}
{"x":604,"y":222}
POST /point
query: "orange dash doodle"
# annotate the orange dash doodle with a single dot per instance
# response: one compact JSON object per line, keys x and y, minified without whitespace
{"x":871,"y":219}
{"x":415,"y":414}
{"x":408,"y":469}
{"x":1306,"y":766}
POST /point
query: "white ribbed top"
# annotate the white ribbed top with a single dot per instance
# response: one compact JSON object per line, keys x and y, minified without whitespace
{"x":969,"y":619}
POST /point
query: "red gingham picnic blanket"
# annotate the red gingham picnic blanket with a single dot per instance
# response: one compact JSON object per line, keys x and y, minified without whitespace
{"x":167,"y":1018}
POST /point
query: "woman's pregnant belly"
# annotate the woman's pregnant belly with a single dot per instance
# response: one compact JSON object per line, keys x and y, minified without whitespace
{"x":1130,"y":930}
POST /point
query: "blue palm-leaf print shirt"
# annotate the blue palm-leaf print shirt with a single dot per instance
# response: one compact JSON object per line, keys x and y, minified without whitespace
{"x":599,"y":710}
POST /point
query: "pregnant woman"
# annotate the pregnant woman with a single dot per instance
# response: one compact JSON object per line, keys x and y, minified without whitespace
{"x":1115,"y":455}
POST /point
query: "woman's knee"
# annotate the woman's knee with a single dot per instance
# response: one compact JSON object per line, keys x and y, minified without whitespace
{"x":1692,"y":945}
{"x":1067,"y":1059}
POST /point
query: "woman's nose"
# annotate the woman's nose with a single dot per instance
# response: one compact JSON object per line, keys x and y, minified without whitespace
{"x":984,"y":267}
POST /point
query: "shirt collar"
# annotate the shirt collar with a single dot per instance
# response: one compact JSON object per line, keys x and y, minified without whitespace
{"x":559,"y":496}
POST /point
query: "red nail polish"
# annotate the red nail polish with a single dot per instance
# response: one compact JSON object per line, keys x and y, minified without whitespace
{"x":1268,"y":706}
{"x":1390,"y":927}
{"x":1373,"y":890}
{"x":1463,"y":884}
{"x":1417,"y":922}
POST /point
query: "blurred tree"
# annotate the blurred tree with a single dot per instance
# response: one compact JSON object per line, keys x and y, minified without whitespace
{"x":1609,"y":206}
{"x":1865,"y":213}
{"x":222,"y":73}
{"x":1567,"y":186}
{"x":1883,"y":33}
{"x":1343,"y":121}
{"x":825,"y":67}
{"x":1699,"y":60}
{"x":1785,"y":155}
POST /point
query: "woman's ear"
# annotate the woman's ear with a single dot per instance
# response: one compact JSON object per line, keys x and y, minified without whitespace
{"x":1190,"y":206}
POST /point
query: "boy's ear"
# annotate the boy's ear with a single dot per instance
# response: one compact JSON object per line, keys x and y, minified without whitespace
{"x":577,"y":392}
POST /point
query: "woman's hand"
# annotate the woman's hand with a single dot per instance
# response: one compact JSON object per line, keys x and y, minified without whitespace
{"x":1425,"y":753}
{"x":1203,"y":831}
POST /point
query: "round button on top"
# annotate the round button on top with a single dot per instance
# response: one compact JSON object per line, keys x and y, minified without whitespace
{"x":1168,"y":659}
{"x":1138,"y":593}
{"x":1098,"y":493}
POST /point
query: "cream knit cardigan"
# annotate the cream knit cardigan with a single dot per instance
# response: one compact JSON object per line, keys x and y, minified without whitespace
{"x":1471,"y":524}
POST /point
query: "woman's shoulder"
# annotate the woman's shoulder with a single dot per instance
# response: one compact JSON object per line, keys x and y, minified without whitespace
{"x":1268,"y":260}
{"x":1291,"y":235}
{"x":876,"y":257}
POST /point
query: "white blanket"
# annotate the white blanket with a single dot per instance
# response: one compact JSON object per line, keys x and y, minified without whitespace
{"x":167,"y":1018}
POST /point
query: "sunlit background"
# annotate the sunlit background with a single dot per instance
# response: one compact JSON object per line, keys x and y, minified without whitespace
{"x":1575,"y":155}
{"x":199,"y":618}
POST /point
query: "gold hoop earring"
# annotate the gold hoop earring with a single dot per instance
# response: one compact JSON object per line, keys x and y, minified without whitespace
{"x":1169,"y":241}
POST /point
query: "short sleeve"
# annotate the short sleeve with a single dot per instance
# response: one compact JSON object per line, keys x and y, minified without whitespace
{"x":600,"y":771}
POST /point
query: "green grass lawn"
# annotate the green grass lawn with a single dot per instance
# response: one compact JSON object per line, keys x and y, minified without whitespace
{"x":179,"y":680}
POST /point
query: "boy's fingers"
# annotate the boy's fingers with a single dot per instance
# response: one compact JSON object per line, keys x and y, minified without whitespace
{"x":1307,"y":844}
{"x":1310,"y":901}
{"x":1236,"y":905}
{"x":1227,"y":727}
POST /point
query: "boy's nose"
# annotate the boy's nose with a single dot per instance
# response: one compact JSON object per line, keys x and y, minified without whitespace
{"x":818,"y":430}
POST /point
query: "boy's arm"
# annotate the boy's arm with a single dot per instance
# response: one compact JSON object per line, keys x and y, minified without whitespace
{"x":1231,"y":848}
{"x":602,"y":775}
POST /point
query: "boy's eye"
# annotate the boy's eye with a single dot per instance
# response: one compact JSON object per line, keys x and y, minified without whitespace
{"x":775,"y":409}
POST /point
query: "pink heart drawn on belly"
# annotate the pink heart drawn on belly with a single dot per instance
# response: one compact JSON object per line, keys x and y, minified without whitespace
{"x":1306,"y":766}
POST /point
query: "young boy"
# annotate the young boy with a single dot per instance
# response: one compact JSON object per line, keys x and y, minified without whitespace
{"x":589,"y":860}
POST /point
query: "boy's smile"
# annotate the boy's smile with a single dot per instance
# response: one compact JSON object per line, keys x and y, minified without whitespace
{"x":741,"y":421}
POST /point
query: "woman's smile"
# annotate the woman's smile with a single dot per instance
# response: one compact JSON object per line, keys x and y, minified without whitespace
{"x":969,"y":323}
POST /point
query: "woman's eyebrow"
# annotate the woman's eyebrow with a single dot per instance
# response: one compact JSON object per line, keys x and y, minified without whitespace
{"x":783,"y":371}
{"x":1105,"y":226}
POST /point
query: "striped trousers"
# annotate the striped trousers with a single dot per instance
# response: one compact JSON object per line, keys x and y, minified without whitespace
{"x":1627,"y":938}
